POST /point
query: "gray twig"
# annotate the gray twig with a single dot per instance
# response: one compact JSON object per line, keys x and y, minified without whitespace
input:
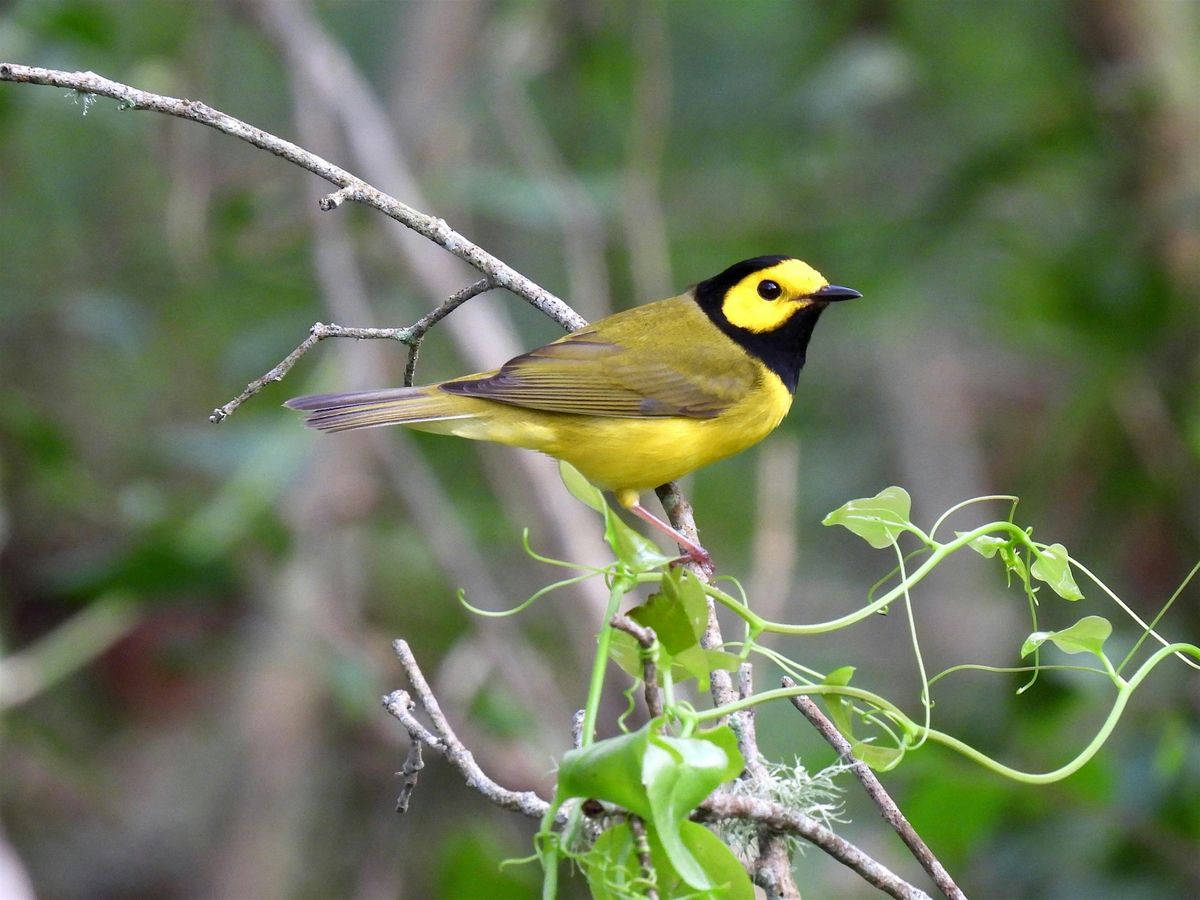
{"x":725,"y":805}
{"x":418,"y":330}
{"x":648,"y":640}
{"x":351,"y":186}
{"x":444,"y":741}
{"x":887,"y":806}
{"x":577,"y":728}
{"x":411,"y":336}
{"x":772,"y":868}
{"x":413,"y":764}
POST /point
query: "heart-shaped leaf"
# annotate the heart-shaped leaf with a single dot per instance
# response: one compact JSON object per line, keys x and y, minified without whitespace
{"x":614,"y":871}
{"x":881,"y":759}
{"x":985,"y":545}
{"x":1085,"y":636}
{"x":581,"y":489}
{"x":658,"y":777}
{"x":878,"y":520}
{"x":1053,"y":566}
{"x":841,"y":711}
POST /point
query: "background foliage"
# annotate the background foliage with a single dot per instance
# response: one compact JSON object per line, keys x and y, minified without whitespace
{"x":1014,"y":187}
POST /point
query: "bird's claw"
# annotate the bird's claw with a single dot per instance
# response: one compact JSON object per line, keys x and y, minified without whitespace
{"x":698,"y":557}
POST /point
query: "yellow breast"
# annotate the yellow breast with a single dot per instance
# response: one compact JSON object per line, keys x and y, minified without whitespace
{"x":635,"y":455}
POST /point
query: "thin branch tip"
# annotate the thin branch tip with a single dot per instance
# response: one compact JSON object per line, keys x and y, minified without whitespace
{"x":337,"y":198}
{"x":880,"y":797}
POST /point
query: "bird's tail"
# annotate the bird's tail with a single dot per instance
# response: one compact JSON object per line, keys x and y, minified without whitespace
{"x":391,"y":406}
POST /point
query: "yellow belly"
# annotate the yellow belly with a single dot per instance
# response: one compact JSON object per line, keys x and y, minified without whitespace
{"x":628,"y":455}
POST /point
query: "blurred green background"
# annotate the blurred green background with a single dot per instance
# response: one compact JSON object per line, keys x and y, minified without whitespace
{"x":197,"y":618}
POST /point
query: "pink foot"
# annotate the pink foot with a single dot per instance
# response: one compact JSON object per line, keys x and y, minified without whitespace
{"x":692,"y":552}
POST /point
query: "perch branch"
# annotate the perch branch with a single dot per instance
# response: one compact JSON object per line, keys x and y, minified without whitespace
{"x":779,"y":818}
{"x":876,"y":791}
{"x":410,"y":336}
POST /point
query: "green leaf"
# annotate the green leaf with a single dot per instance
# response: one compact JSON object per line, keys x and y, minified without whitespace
{"x":626,"y":652}
{"x":881,"y":759}
{"x":693,"y":661}
{"x":698,"y":663}
{"x":840,"y":676}
{"x":610,"y":770}
{"x":678,"y":613}
{"x":614,"y":872}
{"x":725,"y":874}
{"x":985,"y":545}
{"x":1085,"y":636}
{"x":678,"y":774}
{"x":841,"y":710}
{"x":878,"y":520}
{"x":1053,"y":566}
{"x":677,"y":627}
{"x":658,"y":777}
{"x":581,"y":489}
{"x":637,"y":552}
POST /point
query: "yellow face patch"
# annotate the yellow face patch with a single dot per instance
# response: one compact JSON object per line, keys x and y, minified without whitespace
{"x":766,"y":299}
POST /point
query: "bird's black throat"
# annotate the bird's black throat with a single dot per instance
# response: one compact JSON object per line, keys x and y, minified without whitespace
{"x":782,"y":350}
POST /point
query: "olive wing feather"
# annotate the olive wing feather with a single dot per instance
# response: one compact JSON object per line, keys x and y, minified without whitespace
{"x":628,"y":366}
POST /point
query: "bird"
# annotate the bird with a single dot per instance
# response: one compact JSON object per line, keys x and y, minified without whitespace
{"x":638,"y":398}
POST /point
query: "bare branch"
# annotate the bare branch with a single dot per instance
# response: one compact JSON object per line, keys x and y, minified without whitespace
{"x":725,"y":805}
{"x":577,"y":728}
{"x":772,"y":869}
{"x":413,"y":764}
{"x":352,"y":187}
{"x":411,"y":336}
{"x":645,"y":636}
{"x":887,"y":806}
{"x":420,"y":328}
{"x":445,"y":742}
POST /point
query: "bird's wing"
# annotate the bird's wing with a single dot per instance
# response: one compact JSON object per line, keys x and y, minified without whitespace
{"x":622,"y":371}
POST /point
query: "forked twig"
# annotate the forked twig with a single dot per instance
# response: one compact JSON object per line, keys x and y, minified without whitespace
{"x":444,"y":741}
{"x":411,"y":336}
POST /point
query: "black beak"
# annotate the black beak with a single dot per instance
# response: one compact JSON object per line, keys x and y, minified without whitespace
{"x":832,"y":292}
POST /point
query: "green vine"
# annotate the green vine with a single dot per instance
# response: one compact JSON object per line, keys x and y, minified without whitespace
{"x":662,"y":771}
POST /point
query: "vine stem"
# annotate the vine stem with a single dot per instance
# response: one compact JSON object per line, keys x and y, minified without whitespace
{"x":940,"y":551}
{"x":620,"y":587}
{"x":1124,"y":692}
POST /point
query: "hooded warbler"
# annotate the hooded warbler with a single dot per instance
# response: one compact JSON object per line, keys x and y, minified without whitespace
{"x":638,"y":398}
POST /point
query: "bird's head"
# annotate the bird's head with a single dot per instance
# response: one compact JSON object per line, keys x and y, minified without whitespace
{"x":762,"y":294}
{"x":770,"y":305}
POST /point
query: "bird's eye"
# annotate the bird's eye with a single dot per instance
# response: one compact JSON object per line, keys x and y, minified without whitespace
{"x":769,"y":290}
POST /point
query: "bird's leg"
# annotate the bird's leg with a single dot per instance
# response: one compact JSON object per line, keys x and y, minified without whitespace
{"x":692,"y":550}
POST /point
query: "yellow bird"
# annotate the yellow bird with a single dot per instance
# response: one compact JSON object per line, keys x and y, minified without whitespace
{"x":636,"y":399}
